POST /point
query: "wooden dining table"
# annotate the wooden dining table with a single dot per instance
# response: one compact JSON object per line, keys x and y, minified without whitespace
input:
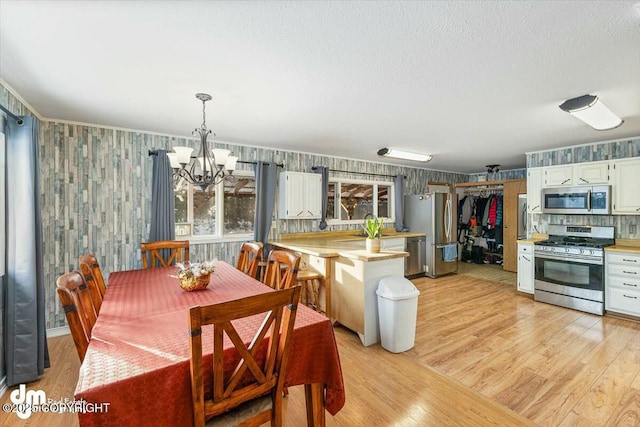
{"x":138,"y":356}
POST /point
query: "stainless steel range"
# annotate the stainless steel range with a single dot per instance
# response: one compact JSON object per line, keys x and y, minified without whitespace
{"x":569,"y":267}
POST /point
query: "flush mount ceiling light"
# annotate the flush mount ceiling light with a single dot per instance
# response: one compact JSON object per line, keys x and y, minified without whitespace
{"x":592,"y":111}
{"x":211,"y":166}
{"x":405,"y":155}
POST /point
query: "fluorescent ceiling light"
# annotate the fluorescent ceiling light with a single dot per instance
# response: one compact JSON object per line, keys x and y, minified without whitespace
{"x":592,"y":111}
{"x":406,"y":155}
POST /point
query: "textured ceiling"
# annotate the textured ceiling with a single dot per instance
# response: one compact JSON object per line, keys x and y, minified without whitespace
{"x":472,"y":83}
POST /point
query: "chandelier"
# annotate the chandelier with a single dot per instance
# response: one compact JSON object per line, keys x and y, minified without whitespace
{"x":210,"y":166}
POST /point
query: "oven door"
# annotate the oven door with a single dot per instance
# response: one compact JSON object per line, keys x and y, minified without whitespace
{"x":584,"y":273}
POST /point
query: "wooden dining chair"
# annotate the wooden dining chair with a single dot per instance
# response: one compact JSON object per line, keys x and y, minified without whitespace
{"x":164,"y":253}
{"x":249,"y":258}
{"x":93,"y":276}
{"x":282,"y":269}
{"x":76,"y":302}
{"x":249,"y":393}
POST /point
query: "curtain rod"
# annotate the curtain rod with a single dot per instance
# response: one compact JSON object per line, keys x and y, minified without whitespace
{"x":280,"y":165}
{"x":13,"y":116}
{"x":360,"y":173}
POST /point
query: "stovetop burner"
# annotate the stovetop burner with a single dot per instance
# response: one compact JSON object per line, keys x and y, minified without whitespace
{"x":576,"y":240}
{"x":569,"y":243}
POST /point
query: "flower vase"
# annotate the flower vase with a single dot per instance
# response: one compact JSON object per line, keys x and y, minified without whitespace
{"x":373,"y":245}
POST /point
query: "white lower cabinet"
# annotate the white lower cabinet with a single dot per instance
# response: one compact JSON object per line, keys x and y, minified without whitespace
{"x":394,"y":244}
{"x":526,"y":267}
{"x":622,"y":283}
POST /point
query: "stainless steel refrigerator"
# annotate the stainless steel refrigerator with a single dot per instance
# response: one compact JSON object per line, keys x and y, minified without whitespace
{"x":522,"y":216}
{"x":435,"y":215}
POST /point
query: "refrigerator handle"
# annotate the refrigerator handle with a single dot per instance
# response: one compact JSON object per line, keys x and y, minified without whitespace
{"x":447,"y":218}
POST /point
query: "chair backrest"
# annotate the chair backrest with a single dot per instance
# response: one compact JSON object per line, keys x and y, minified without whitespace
{"x":253,"y":375}
{"x":76,"y":302}
{"x":93,"y":276}
{"x":282,"y":269}
{"x":164,"y":253}
{"x":249,"y":257}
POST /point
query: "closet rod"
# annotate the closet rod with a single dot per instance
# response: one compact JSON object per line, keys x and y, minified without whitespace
{"x":480,"y":184}
{"x":360,"y":173}
{"x":18,"y":120}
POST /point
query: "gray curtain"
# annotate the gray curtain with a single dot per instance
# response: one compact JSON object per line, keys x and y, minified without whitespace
{"x":163,"y":212}
{"x":324,"y":171}
{"x":266,"y":178}
{"x":25,"y":341}
{"x":398,"y":185}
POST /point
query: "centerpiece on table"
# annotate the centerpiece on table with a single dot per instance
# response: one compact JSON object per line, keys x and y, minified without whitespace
{"x":195,"y":276}
{"x":373,"y":228}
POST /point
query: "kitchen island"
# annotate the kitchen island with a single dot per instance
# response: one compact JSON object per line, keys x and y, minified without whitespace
{"x":351,"y":274}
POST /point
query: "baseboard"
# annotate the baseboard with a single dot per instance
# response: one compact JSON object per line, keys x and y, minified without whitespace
{"x":57,"y":332}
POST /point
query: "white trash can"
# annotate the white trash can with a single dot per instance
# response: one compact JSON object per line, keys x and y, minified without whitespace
{"x":397,"y":313}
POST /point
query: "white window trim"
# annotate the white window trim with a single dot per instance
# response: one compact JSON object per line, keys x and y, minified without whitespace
{"x":219,"y":237}
{"x":391,"y":200}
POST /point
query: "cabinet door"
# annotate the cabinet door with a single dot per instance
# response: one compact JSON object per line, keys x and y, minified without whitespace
{"x":591,"y":173}
{"x":313,"y":195}
{"x":510,"y":215}
{"x":534,"y":190}
{"x":525,"y":267}
{"x":558,"y":175}
{"x":300,"y":195}
{"x":395,"y":244}
{"x":291,"y":195}
{"x":626,"y":176}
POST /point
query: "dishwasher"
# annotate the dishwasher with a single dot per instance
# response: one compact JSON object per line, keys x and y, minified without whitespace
{"x":414,"y":264}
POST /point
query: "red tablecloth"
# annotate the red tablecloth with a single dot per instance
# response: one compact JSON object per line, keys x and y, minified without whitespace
{"x":138,"y":356}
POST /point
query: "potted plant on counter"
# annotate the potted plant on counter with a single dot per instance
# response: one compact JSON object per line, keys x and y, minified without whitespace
{"x":373,"y":228}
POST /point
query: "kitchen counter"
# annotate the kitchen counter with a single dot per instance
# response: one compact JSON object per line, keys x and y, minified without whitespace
{"x":625,"y":245}
{"x":339,"y":244}
{"x":350,"y":274}
{"x":535,"y":238}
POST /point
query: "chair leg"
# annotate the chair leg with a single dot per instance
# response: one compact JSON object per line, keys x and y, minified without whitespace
{"x":315,"y":285}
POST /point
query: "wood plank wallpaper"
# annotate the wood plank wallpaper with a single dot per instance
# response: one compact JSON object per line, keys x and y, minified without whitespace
{"x":96,"y":192}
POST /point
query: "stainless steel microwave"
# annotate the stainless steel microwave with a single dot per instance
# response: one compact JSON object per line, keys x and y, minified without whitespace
{"x":585,"y":200}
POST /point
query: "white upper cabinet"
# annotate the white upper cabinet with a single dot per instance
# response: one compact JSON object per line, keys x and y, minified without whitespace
{"x":555,"y":176}
{"x":300,"y":195}
{"x":587,"y":173}
{"x":591,"y":173}
{"x":626,"y":186}
{"x":535,"y":179}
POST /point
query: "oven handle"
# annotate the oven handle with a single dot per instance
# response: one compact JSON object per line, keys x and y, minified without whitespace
{"x":569,"y":258}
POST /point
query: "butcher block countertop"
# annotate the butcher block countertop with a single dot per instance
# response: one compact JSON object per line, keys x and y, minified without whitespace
{"x":625,"y":245}
{"x":536,"y":237}
{"x":328,"y":244}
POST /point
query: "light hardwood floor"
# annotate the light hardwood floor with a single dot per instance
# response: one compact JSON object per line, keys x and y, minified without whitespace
{"x":484,"y":355}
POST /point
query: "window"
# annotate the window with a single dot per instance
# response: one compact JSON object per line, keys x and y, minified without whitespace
{"x":222,"y":210}
{"x":352,"y":200}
